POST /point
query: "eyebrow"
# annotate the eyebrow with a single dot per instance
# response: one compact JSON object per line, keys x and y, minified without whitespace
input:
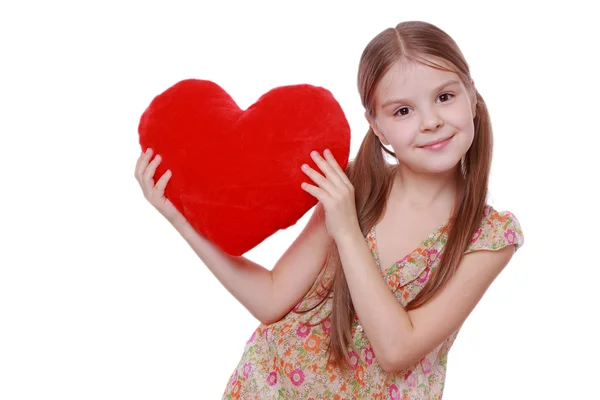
{"x":437,"y":89}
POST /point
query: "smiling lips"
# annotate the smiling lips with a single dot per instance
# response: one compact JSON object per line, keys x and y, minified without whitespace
{"x":438,"y":144}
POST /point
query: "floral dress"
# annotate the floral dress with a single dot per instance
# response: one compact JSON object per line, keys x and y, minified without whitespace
{"x":287,"y":359}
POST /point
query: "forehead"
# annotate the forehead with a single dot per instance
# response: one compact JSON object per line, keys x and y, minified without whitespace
{"x":410,"y":80}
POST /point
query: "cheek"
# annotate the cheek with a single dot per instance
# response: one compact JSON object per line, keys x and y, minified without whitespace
{"x":469,"y":128}
{"x":399,"y":134}
{"x":389,"y":130}
{"x":466,"y":126}
{"x":402,"y":141}
{"x":467,"y":134}
{"x":462,"y":120}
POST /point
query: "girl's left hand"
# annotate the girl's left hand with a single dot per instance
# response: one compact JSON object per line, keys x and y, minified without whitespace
{"x":335,"y":192}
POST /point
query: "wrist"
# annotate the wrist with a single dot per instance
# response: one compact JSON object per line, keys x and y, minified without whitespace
{"x":179,"y":223}
{"x":348,"y":236}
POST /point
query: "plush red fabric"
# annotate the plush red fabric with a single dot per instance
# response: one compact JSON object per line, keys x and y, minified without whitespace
{"x":236,"y":173}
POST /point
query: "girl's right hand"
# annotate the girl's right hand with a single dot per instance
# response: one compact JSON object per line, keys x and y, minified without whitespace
{"x":155,"y":193}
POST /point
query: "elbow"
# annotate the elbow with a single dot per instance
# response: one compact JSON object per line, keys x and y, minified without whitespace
{"x":396,"y":360}
{"x":270,"y":310}
{"x":266,"y":318}
{"x":269,"y":316}
{"x":397,"y":355}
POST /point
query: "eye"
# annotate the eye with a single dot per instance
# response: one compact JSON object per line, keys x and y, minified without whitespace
{"x":402,"y":111}
{"x":447,"y":96}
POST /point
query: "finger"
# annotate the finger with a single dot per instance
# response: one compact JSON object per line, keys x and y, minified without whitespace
{"x":318,"y":178}
{"x":161,"y":184}
{"x":326,"y":168}
{"x":142,"y":163}
{"x":313,"y":190}
{"x":150,"y":170}
{"x":137,"y":166}
{"x":336,"y":167}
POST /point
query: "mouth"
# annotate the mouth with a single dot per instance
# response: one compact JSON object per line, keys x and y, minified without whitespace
{"x":438,"y":144}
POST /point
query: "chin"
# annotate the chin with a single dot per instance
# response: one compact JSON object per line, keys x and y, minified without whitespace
{"x":443,"y":163}
{"x":432,"y":168}
{"x":441,"y":169}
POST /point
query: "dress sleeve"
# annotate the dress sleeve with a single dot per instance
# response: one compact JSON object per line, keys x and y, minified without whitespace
{"x":498,"y":229}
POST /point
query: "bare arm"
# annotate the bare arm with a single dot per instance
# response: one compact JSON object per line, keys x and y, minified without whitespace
{"x":268,"y":295}
{"x":400,"y":338}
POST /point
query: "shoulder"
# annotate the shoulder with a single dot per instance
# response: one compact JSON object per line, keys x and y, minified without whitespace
{"x":498,"y":229}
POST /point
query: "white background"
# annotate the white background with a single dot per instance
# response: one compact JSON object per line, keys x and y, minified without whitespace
{"x":100,"y":298}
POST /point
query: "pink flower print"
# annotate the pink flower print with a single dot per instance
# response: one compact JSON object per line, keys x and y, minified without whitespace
{"x":297,"y":377}
{"x":235,"y":378}
{"x":394,"y":393}
{"x":410,"y":379}
{"x":432,"y":255}
{"x":426,"y":364}
{"x":353,"y":358}
{"x":303,"y":330}
{"x":424,"y":275}
{"x":369,"y":355}
{"x":247,"y":370}
{"x":251,"y":338}
{"x":326,"y":325}
{"x":476,"y":235}
{"x":272,"y":378}
{"x":510,"y":236}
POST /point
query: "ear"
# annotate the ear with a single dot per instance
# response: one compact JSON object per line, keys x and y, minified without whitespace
{"x":373,"y":124}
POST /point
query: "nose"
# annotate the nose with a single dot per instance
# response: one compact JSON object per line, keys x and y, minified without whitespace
{"x":431,"y":121}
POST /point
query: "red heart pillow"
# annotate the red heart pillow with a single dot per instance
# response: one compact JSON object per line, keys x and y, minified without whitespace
{"x":236,"y":173}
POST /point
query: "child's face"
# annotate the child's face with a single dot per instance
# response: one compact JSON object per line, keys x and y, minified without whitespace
{"x":425,"y":114}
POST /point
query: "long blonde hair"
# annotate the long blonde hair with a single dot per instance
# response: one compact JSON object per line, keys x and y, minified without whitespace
{"x":371,"y":175}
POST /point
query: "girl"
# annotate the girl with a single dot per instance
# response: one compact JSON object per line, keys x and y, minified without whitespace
{"x":370,"y":297}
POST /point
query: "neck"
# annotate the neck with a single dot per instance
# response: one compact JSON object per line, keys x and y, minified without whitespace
{"x":422,"y":191}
